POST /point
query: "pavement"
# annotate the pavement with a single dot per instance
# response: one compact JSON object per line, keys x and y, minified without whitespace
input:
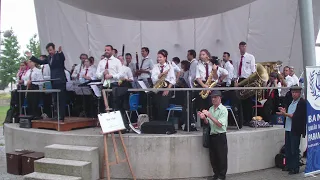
{"x":268,"y":174}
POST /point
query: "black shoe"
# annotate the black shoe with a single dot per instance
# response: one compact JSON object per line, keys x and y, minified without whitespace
{"x":292,"y":172}
{"x":222,"y":178}
{"x":214,"y":177}
{"x":285,"y":169}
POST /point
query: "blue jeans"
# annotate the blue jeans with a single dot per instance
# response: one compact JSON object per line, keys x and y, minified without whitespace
{"x":292,"y":144}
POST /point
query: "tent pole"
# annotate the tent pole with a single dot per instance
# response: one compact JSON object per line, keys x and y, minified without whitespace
{"x":307,"y":36}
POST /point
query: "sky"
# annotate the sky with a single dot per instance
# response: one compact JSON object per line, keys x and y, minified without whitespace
{"x":20,"y":16}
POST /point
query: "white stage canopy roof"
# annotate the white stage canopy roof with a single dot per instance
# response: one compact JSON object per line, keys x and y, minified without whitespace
{"x":157,"y":10}
{"x":270,"y":27}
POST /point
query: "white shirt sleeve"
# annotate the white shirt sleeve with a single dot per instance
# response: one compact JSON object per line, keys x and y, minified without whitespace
{"x":130,"y":75}
{"x":198,"y":75}
{"x":100,"y":70}
{"x":154,"y":74}
{"x":172,"y":76}
{"x":253,"y":64}
{"x":236,"y":68}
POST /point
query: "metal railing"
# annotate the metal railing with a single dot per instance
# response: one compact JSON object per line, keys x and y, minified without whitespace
{"x":200,"y":89}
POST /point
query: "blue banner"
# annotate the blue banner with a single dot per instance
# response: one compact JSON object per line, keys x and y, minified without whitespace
{"x":313,"y":120}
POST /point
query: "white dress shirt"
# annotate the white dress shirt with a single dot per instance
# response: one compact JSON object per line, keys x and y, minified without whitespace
{"x":34,"y":74}
{"x":192,"y":72}
{"x":114,"y":66}
{"x":147,"y":65}
{"x":248,"y":66}
{"x":289,"y":80}
{"x":126,"y":73}
{"x":295,"y":79}
{"x":175,"y":67}
{"x":68,"y":76}
{"x":132,"y":66}
{"x":229,"y":67}
{"x":221,"y":72}
{"x":91,"y":72}
{"x":171,"y":77}
{"x":45,"y":69}
{"x":77,"y":70}
{"x":201,"y":70}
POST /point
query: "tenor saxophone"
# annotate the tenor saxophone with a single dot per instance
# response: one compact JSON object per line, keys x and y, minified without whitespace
{"x":161,"y":83}
{"x":205,"y":93}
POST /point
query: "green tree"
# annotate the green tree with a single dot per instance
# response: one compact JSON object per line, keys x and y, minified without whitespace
{"x":34,"y":46}
{"x":9,"y":60}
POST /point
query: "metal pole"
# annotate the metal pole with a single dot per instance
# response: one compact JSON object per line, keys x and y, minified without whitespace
{"x":188,"y":110}
{"x":58,"y":111}
{"x":307,"y":36}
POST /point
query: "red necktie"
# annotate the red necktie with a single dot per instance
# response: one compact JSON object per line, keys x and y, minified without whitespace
{"x":207,"y":71}
{"x":240,"y":66}
{"x":86,"y":72}
{"x":107,"y":64}
{"x":161,"y":71}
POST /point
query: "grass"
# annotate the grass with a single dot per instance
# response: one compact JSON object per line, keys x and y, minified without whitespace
{"x":5,"y":95}
{"x":3,"y":113}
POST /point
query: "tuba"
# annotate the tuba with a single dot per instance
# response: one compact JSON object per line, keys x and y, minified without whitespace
{"x":272,"y":66}
{"x":205,"y":93}
{"x":162,"y":83}
{"x":257,"y":79}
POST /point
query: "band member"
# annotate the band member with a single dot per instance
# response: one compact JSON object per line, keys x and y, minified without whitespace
{"x":91,"y":59}
{"x":129,"y":63}
{"x":126,"y":77}
{"x":174,"y":63}
{"x":102,"y":57}
{"x":217,"y":118}
{"x":33,"y":74}
{"x":56,"y":61}
{"x":286,"y":81}
{"x":204,"y":74}
{"x":162,"y":77}
{"x":294,"y":76}
{"x":76,"y":73}
{"x":22,"y":71}
{"x":115,"y":52}
{"x":184,"y":74}
{"x":270,"y":107}
{"x":47,"y":97}
{"x":295,"y":127}
{"x":244,"y":67}
{"x":144,"y":74}
{"x":88,"y":72}
{"x":229,"y":67}
{"x":109,"y":70}
{"x":221,"y":72}
{"x":191,"y":56}
{"x":45,"y":68}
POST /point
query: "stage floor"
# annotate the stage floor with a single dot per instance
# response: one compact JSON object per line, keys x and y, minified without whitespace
{"x":179,"y":155}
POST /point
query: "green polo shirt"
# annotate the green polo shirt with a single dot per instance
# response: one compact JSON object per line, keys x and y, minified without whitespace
{"x":221,"y":114}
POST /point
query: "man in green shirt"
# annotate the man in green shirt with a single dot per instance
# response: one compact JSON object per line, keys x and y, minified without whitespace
{"x":217,"y":117}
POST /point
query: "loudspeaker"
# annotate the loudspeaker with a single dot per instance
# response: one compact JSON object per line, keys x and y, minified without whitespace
{"x":25,"y":121}
{"x":158,"y":127}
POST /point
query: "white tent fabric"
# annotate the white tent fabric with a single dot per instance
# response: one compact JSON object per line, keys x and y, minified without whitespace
{"x":270,"y":27}
{"x":155,"y":10}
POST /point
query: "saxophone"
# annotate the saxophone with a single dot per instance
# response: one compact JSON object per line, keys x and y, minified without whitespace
{"x":205,"y":93}
{"x":162,"y":83}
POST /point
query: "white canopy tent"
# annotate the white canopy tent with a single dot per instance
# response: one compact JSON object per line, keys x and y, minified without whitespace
{"x":270,"y":27}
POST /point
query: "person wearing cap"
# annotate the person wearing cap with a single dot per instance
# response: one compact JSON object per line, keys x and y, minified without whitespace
{"x":217,"y":118}
{"x":295,"y":126}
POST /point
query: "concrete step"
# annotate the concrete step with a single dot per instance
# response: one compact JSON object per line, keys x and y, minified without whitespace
{"x":45,"y":176}
{"x":64,"y":167}
{"x":78,"y":153}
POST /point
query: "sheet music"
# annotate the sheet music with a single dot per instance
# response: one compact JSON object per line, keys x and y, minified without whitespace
{"x":96,"y":90}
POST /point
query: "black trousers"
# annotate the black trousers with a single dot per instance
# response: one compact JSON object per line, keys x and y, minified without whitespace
{"x":246,"y":106}
{"x":62,"y":98}
{"x":230,"y":98}
{"x":218,"y":152}
{"x":47,"y":102}
{"x":33,"y":101}
{"x":292,"y":144}
{"x":269,"y":109}
{"x":160,"y":104}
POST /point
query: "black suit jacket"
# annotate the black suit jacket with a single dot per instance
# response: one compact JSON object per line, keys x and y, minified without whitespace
{"x":299,"y":119}
{"x":56,"y":67}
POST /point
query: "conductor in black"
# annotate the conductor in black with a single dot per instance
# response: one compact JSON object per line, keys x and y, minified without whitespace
{"x":56,"y":62}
